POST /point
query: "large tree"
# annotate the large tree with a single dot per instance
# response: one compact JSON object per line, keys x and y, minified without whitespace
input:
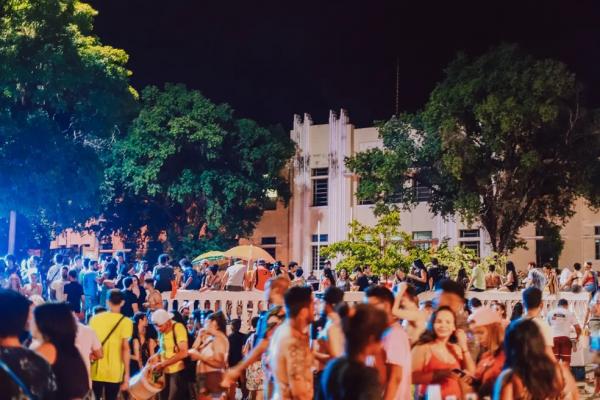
{"x":207,"y":172}
{"x":63,"y":98}
{"x":504,"y":139}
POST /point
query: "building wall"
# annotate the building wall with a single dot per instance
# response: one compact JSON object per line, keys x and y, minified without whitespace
{"x":326,"y":146}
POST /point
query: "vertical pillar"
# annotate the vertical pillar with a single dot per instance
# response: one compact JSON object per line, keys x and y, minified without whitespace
{"x":12,"y":230}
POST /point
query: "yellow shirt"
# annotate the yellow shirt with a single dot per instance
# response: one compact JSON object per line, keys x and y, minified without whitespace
{"x":167,"y":346}
{"x":110,"y":368}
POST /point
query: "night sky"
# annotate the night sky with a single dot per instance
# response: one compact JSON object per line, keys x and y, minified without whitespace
{"x":271,"y":59}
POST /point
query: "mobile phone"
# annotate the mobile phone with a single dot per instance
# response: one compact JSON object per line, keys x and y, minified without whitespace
{"x":459,"y":372}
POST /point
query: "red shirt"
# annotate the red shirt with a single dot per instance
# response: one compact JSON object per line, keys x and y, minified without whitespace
{"x":488,"y":369}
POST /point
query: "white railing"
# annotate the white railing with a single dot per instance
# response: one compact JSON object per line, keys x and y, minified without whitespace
{"x":245,"y":305}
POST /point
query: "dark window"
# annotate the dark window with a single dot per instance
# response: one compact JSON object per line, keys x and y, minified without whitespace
{"x":471,"y":245}
{"x":318,"y":261}
{"x":422,"y":239}
{"x":319,"y":189}
{"x":320,"y":171}
{"x":365,"y":202}
{"x":469,"y":233}
{"x":597,"y":249}
{"x":268,"y":240}
{"x":422,"y":193}
{"x":324,"y":238}
{"x":394,"y":198}
{"x":270,"y":204}
{"x":597,"y":230}
{"x":272,"y":251}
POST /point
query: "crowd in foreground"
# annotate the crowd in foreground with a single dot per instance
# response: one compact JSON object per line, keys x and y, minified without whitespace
{"x":307,"y":344}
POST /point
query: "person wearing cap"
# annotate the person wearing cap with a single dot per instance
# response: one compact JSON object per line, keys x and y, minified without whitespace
{"x":486,"y":325}
{"x":173,"y":340}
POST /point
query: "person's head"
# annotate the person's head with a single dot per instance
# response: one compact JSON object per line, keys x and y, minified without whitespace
{"x":33,"y":262}
{"x":236,"y":325}
{"x":462,"y":274}
{"x":358,"y":271}
{"x":500,"y":309}
{"x":213,"y":269}
{"x":72,"y":275}
{"x":299,"y":272}
{"x":57,"y":259}
{"x":525,"y":351}
{"x":328,"y":273}
{"x":127,"y":283}
{"x":332,"y":297}
{"x":363,"y":326}
{"x":115,"y":300}
{"x":14,"y":309}
{"x":185,"y":263}
{"x":532,"y":299}
{"x":343,"y":274}
{"x":434,"y":262}
{"x":547,"y":267}
{"x":510,"y":267}
{"x":98,"y":310}
{"x":56,"y":324}
{"x":93,"y":265}
{"x":492,"y":268}
{"x":78,"y":261}
{"x":410,"y":297}
{"x":450,"y":294}
{"x":162,"y":320}
{"x":148,"y":283}
{"x":275,"y":289}
{"x":517,"y":311}
{"x":299,"y":304}
{"x":441,"y":326}
{"x":33,"y":277}
{"x":486,"y":325}
{"x":120,"y":257}
{"x":577,"y":267}
{"x":531,"y":265}
{"x":163,"y":259}
{"x":472,"y":263}
{"x":293,"y":266}
{"x":563,"y":303}
{"x":254,"y":322}
{"x":216,"y":322}
{"x":380,"y":297}
{"x":418,"y":263}
{"x":64,"y":273}
{"x":588,"y":266}
{"x":474,"y":303}
{"x":427,"y":307}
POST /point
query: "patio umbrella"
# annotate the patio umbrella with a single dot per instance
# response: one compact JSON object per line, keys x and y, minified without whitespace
{"x":249,"y":253}
{"x":210,"y":256}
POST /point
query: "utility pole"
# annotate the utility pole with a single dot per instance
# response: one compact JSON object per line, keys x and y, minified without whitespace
{"x":12,"y":230}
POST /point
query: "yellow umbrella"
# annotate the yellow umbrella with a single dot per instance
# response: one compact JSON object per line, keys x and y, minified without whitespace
{"x":209,"y":255}
{"x":249,"y":252}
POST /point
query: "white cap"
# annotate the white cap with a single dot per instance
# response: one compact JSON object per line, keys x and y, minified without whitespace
{"x":161,"y":316}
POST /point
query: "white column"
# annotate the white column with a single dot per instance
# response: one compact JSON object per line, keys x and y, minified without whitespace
{"x":305,"y":240}
{"x":297,"y":191}
{"x":12,"y":232}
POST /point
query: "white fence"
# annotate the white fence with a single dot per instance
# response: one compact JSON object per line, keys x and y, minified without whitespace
{"x":249,"y":304}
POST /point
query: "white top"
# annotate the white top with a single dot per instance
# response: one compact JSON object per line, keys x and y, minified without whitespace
{"x":397,"y":352}
{"x":564,"y":276}
{"x":561,"y":320}
{"x":235,"y":275}
{"x":59,"y":288}
{"x":86,"y":341}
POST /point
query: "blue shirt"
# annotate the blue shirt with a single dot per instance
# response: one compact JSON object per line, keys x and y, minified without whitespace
{"x":90,"y":286}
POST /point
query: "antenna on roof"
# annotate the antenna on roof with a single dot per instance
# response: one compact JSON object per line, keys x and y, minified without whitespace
{"x":397,"y":108}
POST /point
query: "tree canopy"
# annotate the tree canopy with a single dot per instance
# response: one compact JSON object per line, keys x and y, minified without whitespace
{"x":63,"y":98}
{"x":207,"y":172}
{"x":504,"y":140}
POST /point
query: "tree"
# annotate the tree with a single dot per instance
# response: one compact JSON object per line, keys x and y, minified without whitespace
{"x":504,"y":139}
{"x":208,"y":172}
{"x":63,"y":98}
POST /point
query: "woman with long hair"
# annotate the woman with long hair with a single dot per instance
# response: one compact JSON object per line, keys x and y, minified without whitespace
{"x":512,"y":279}
{"x":210,"y":350}
{"x":343,"y":281}
{"x":486,"y":325}
{"x":55,"y":329}
{"x":406,"y":308}
{"x":213,"y":279}
{"x":517,"y":311}
{"x":441,"y":356}
{"x":348,"y":377}
{"x":529,"y":373}
{"x":462,"y":278}
{"x":34,"y":287}
{"x":142,"y":346}
{"x":327,"y":280}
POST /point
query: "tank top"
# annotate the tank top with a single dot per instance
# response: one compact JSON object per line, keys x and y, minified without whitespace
{"x":449,"y":387}
{"x":262,"y":276}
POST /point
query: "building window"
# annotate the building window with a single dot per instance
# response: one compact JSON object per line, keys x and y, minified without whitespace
{"x":272,"y":252}
{"x":270,"y":202}
{"x":469,"y":233}
{"x":422,"y":239}
{"x":394,"y":198}
{"x":320,"y":186}
{"x":324,"y":238}
{"x":471,"y":245}
{"x":318,"y":261}
{"x":597,"y":249}
{"x":422,"y":193}
{"x":597,"y":230}
{"x":268,"y":240}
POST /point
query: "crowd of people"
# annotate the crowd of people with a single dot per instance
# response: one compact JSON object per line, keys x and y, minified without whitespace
{"x":87,"y":329}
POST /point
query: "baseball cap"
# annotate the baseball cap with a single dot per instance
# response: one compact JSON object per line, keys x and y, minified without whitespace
{"x":161,"y":316}
{"x":484,"y":316}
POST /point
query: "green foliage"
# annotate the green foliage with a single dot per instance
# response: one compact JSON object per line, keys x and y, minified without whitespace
{"x":503,"y":139}
{"x":197,"y":164}
{"x":63,"y":97}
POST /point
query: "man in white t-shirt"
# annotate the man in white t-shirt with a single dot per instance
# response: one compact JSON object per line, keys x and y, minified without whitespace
{"x":396,"y":347}
{"x":57,"y":287}
{"x":235,"y":276}
{"x":564,"y":280}
{"x":561,"y":320}
{"x":532,"y":303}
{"x":88,"y":345}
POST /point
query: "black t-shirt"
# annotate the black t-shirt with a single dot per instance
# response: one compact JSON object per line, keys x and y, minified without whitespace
{"x":73,"y":292}
{"x":130,"y":299}
{"x":436,"y":274}
{"x":31,"y":369}
{"x":110,"y":271}
{"x":236,"y":343}
{"x":420,"y":286}
{"x":344,"y":379}
{"x":191,"y":273}
{"x":363,"y":283}
{"x":163,"y":277}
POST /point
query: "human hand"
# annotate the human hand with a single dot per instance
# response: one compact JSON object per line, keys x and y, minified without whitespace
{"x":125,"y":383}
{"x":461,"y":338}
{"x":230,"y":377}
